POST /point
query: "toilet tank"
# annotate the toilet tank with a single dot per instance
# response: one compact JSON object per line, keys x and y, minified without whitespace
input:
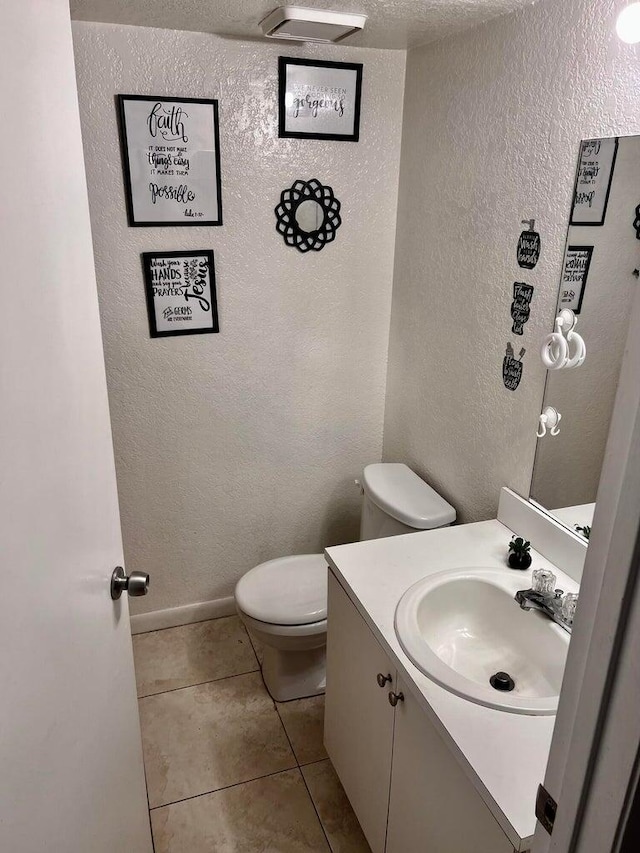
{"x":395,"y":500}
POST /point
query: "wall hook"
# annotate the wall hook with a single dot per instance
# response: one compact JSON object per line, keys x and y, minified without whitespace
{"x":549,"y":420}
{"x":567,"y":319}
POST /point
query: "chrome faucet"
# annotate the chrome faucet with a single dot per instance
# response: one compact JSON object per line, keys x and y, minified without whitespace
{"x":554,"y":603}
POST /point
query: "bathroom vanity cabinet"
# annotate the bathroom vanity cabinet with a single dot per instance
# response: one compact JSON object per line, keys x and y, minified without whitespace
{"x":407,"y":789}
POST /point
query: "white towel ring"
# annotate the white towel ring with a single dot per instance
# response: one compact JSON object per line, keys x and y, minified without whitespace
{"x":555,"y":351}
{"x":581,"y":350}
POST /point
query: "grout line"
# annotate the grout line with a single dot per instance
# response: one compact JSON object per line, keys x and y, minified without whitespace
{"x":255,"y":653}
{"x":304,"y":781}
{"x":198,"y":683}
{"x":315,"y":761}
{"x":324,"y":832}
{"x":284,"y":729}
{"x":186,"y":624}
{"x":224,"y":788}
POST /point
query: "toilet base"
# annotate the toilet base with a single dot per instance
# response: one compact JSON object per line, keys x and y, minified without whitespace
{"x":293,"y":659}
{"x":289,"y":675}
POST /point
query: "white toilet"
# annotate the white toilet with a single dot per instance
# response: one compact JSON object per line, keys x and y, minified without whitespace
{"x":283,"y":602}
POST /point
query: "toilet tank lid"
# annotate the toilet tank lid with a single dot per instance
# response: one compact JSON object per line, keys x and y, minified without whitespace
{"x":398,"y":490}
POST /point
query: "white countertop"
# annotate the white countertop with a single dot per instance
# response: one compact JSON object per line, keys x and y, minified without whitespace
{"x":503,"y":754}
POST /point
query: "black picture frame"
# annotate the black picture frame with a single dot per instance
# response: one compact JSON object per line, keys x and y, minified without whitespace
{"x":121,"y":101}
{"x":148,"y":259}
{"x":603,"y":216}
{"x":562,"y":302}
{"x":283,"y":63}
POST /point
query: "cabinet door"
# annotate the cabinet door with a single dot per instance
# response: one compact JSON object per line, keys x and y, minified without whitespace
{"x":358,"y":728}
{"x":433,"y":807}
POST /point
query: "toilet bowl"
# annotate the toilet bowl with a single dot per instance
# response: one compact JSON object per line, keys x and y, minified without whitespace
{"x":283,"y":602}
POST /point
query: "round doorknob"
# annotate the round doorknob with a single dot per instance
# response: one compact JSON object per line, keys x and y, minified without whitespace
{"x":394,"y":698}
{"x":137,"y":583}
{"x":383,"y":679}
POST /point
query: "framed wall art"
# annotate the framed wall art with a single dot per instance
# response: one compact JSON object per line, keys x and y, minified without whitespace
{"x":319,"y":100}
{"x":181,"y":292}
{"x":593,"y":182}
{"x":575,"y":273}
{"x":171,"y":160}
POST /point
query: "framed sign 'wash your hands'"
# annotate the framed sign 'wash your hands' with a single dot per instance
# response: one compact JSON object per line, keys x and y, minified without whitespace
{"x":319,"y":100}
{"x":181,"y":292}
{"x":171,"y":160}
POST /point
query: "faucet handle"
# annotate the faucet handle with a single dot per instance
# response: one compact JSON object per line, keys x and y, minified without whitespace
{"x":569,"y":604}
{"x":544,"y":581}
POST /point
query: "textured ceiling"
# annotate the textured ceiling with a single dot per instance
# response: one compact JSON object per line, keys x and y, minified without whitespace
{"x":392,"y":23}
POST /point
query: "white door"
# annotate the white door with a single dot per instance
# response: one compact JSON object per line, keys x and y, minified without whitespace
{"x":71,"y":773}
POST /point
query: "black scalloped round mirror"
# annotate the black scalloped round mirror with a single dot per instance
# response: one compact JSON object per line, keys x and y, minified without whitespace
{"x":308,"y":215}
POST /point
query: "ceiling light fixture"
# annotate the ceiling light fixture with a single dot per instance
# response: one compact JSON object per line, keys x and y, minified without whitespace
{"x":297,"y":24}
{"x":628,"y":24}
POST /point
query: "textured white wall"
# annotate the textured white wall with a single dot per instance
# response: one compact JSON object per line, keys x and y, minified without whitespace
{"x":492,"y":123}
{"x":239,"y":447}
{"x":567,"y":466}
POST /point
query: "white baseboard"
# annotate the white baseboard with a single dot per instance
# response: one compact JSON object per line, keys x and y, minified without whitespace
{"x":185,"y":615}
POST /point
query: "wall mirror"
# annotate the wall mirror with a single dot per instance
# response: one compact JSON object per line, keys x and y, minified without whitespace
{"x":308,"y":215}
{"x":598,"y":280}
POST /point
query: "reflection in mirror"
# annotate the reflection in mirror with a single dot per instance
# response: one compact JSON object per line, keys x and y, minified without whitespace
{"x":309,"y":216}
{"x":599,"y":277}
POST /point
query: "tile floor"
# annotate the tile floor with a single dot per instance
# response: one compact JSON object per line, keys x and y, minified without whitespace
{"x":229,"y":770}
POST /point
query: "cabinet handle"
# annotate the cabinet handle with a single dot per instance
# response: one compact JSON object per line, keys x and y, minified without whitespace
{"x":394,"y":698}
{"x":382,"y":679}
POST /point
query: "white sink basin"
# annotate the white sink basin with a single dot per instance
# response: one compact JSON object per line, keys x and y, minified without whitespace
{"x":462,"y":626}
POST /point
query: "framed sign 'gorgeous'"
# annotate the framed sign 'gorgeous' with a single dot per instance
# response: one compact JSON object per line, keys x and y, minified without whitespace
{"x":319,"y":100}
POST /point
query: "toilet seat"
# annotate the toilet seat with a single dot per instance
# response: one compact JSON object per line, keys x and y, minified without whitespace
{"x":288,"y":591}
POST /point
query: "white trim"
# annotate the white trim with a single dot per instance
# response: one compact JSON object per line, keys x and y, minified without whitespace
{"x":185,"y":615}
{"x":553,"y":540}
